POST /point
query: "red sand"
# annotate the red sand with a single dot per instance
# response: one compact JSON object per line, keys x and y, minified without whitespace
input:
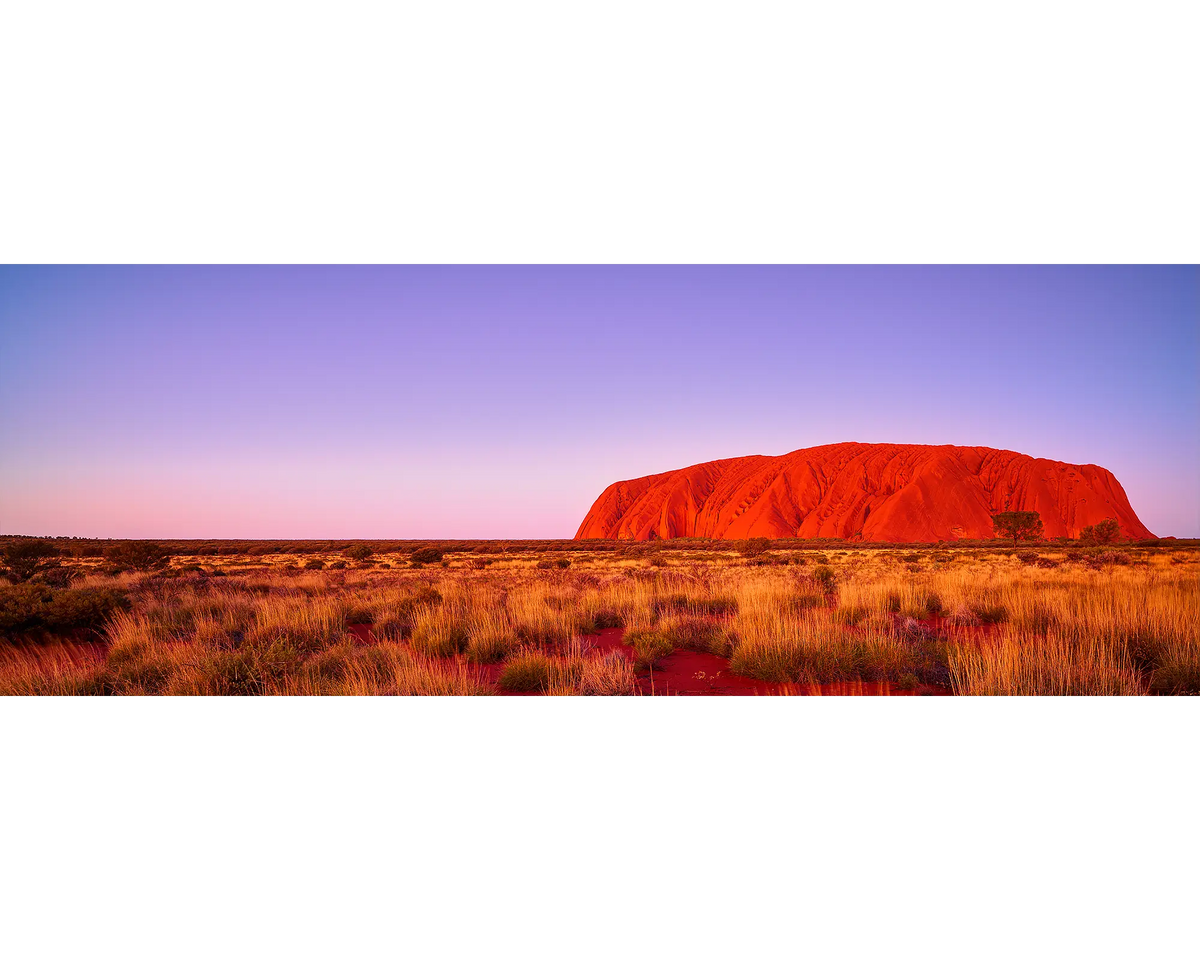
{"x":692,"y":673}
{"x":688,"y":675}
{"x":884,"y":492}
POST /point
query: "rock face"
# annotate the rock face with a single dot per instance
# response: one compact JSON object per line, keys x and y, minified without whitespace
{"x":887,"y":492}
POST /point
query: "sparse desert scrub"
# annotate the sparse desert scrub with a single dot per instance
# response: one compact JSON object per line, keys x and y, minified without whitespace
{"x":490,"y":635}
{"x":265,"y":628}
{"x":544,"y":614}
{"x":387,"y":669}
{"x":1051,"y":664}
{"x":610,"y":675}
{"x":526,"y":672}
{"x":815,"y":649}
{"x":532,"y":670}
{"x":307,"y":625}
{"x":49,"y":669}
{"x":440,"y":631}
{"x":891,"y":593}
{"x":650,"y":645}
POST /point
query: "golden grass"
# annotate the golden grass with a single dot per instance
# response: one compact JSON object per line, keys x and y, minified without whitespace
{"x":814,"y":649}
{"x":51,"y":669}
{"x":1043,"y":665}
{"x":991,"y":625}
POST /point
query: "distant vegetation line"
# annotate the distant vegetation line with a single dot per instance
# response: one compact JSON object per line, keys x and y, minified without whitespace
{"x":84,"y":547}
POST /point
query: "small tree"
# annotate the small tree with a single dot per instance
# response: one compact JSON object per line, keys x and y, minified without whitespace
{"x":426,"y":555}
{"x":22,"y":559}
{"x":139,"y":555}
{"x":1100,"y":534}
{"x":1018,"y":524}
{"x":360,"y":552}
{"x":755,"y":546}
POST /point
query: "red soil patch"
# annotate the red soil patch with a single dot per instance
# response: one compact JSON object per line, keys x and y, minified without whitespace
{"x":691,"y":673}
{"x":682,"y":673}
{"x":686,"y":673}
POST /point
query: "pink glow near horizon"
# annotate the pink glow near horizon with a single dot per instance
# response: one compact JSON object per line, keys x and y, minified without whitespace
{"x":464,"y":402}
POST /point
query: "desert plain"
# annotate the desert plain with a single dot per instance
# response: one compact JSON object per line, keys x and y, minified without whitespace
{"x":660,"y":618}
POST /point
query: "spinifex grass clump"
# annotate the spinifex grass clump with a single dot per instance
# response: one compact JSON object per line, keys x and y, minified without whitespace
{"x":526,"y":672}
{"x":610,"y":675}
{"x":53,"y":668}
{"x":691,"y":632}
{"x":387,"y":669}
{"x":650,"y":646}
{"x":695,"y":605}
{"x":491,"y":635}
{"x":1049,"y":665}
{"x":816,"y":650}
{"x":887,"y":594}
{"x":533,"y":671}
{"x":308,"y":625}
{"x":440,"y":631}
{"x":1175,"y":669}
{"x":543,"y":615}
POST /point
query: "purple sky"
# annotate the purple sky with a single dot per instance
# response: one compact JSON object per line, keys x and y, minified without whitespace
{"x":339,"y":402}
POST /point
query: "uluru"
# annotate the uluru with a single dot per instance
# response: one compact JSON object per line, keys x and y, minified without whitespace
{"x":882,"y":492}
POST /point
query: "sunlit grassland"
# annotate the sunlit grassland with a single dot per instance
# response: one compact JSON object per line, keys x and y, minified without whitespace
{"x":974,"y":621}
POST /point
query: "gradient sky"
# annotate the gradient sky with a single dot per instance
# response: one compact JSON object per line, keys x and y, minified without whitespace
{"x":497,"y":402}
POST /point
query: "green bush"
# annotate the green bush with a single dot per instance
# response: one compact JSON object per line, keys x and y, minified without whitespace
{"x":31,"y":607}
{"x":21,"y":559}
{"x":525,"y":673}
{"x":21,"y":607}
{"x":825,"y":577}
{"x":1018,"y":525}
{"x":755,"y":546}
{"x":87,"y":608}
{"x":57,"y":576}
{"x":427,"y":555}
{"x":650,"y":646}
{"x":139,"y":555}
{"x":1101,"y":534}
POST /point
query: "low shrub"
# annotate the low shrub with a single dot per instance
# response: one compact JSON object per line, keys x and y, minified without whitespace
{"x":650,"y":646}
{"x":755,"y":546}
{"x":525,"y":673}
{"x":87,"y":608}
{"x":35,"y":607}
{"x":825,"y":577}
{"x":1100,"y":534}
{"x":58,"y":576}
{"x":682,"y":603}
{"x":21,"y":560}
{"x":849,"y":616}
{"x":607,"y":620}
{"x":990,"y":613}
{"x":139,"y":555}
